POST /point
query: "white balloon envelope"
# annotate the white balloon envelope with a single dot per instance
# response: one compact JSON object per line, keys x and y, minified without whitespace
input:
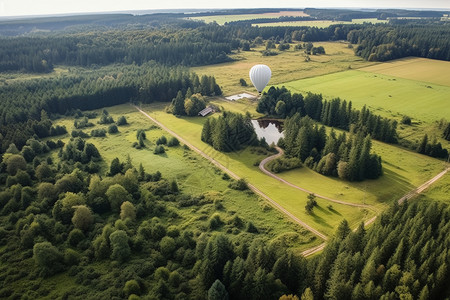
{"x":260,"y":76}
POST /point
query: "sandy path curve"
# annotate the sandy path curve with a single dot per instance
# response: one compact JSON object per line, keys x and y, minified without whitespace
{"x":280,"y":153}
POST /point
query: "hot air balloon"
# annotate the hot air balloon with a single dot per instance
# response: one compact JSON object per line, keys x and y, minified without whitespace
{"x":260,"y":76}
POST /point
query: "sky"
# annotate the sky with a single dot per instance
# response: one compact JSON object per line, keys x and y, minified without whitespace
{"x":44,"y":7}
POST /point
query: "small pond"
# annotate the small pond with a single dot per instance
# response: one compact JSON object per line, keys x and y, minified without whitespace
{"x":271,"y":130}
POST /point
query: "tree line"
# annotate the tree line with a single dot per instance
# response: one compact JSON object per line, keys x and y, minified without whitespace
{"x":350,"y":158}
{"x":38,"y":54}
{"x":386,"y":42}
{"x":280,"y":103}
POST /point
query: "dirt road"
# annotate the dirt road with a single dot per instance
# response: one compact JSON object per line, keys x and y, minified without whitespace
{"x":232,"y":174}
{"x":280,"y":153}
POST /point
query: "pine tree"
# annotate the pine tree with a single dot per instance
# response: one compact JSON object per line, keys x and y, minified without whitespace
{"x":217,"y":291}
{"x":423,"y":144}
{"x":178,"y":104}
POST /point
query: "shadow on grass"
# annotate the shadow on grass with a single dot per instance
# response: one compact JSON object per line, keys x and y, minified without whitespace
{"x":325,"y":211}
{"x":320,"y":220}
{"x":334,"y":211}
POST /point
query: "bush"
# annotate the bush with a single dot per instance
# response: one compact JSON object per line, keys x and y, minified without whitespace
{"x":161,"y":141}
{"x":406,"y":120}
{"x":239,"y":185}
{"x":215,"y":222}
{"x":113,"y":129}
{"x":98,"y":133}
{"x":122,"y":121}
{"x":282,"y":164}
{"x":132,"y":287}
{"x":159,"y":150}
{"x":243,"y":82}
{"x":269,"y":53}
{"x":48,"y":258}
{"x":173,"y":142}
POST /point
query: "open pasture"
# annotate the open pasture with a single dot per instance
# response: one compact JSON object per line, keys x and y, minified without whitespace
{"x":415,"y":68}
{"x":286,"y":66}
{"x":222,"y":19}
{"x":193,"y":174}
{"x":385,"y":95}
{"x":319,"y":23}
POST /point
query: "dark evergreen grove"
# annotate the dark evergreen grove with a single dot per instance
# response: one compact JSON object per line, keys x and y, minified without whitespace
{"x":281,"y":103}
{"x":350,"y":158}
{"x":229,"y":132}
{"x":21,"y":103}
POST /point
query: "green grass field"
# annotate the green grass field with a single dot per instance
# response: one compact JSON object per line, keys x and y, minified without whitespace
{"x":194,"y":175}
{"x":319,"y":23}
{"x":415,"y":68}
{"x":286,"y":66}
{"x":384,"y":94}
{"x":222,"y":19}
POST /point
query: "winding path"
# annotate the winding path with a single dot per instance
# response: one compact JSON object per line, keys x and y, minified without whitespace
{"x":232,"y":174}
{"x":280,"y":153}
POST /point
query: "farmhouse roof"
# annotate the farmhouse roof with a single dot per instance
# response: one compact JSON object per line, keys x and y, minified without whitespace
{"x":205,"y":111}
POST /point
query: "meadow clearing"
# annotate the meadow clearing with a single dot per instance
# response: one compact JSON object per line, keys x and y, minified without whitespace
{"x":384,"y":94}
{"x":194,"y":176}
{"x":243,"y":163}
{"x":222,"y":19}
{"x":287,"y":66}
{"x":319,"y":23}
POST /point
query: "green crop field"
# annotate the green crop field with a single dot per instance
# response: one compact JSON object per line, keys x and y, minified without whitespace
{"x":415,"y":68}
{"x":222,"y":19}
{"x":384,"y":94}
{"x":189,"y":170}
{"x":286,"y":66}
{"x":319,"y":23}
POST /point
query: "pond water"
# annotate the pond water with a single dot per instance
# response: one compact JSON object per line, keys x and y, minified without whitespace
{"x":271,"y":130}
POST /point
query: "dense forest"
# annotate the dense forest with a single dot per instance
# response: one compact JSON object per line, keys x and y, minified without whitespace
{"x":281,"y":103}
{"x":349,"y":158}
{"x":21,"y":102}
{"x":113,"y":236}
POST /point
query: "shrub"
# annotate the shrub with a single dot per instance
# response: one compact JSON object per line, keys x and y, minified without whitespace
{"x":48,"y":258}
{"x":161,"y":141}
{"x":122,"y":121}
{"x":159,"y":150}
{"x":98,"y":133}
{"x":281,"y":164}
{"x":242,"y":82}
{"x":239,"y":185}
{"x":132,"y":287}
{"x":406,"y":120}
{"x":215,"y":222}
{"x":113,"y":128}
{"x":173,"y":142}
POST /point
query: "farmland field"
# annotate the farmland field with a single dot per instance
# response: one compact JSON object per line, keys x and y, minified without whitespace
{"x":286,"y":66}
{"x":222,"y":19}
{"x":319,"y":23}
{"x":415,"y":68}
{"x":385,"y":94}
